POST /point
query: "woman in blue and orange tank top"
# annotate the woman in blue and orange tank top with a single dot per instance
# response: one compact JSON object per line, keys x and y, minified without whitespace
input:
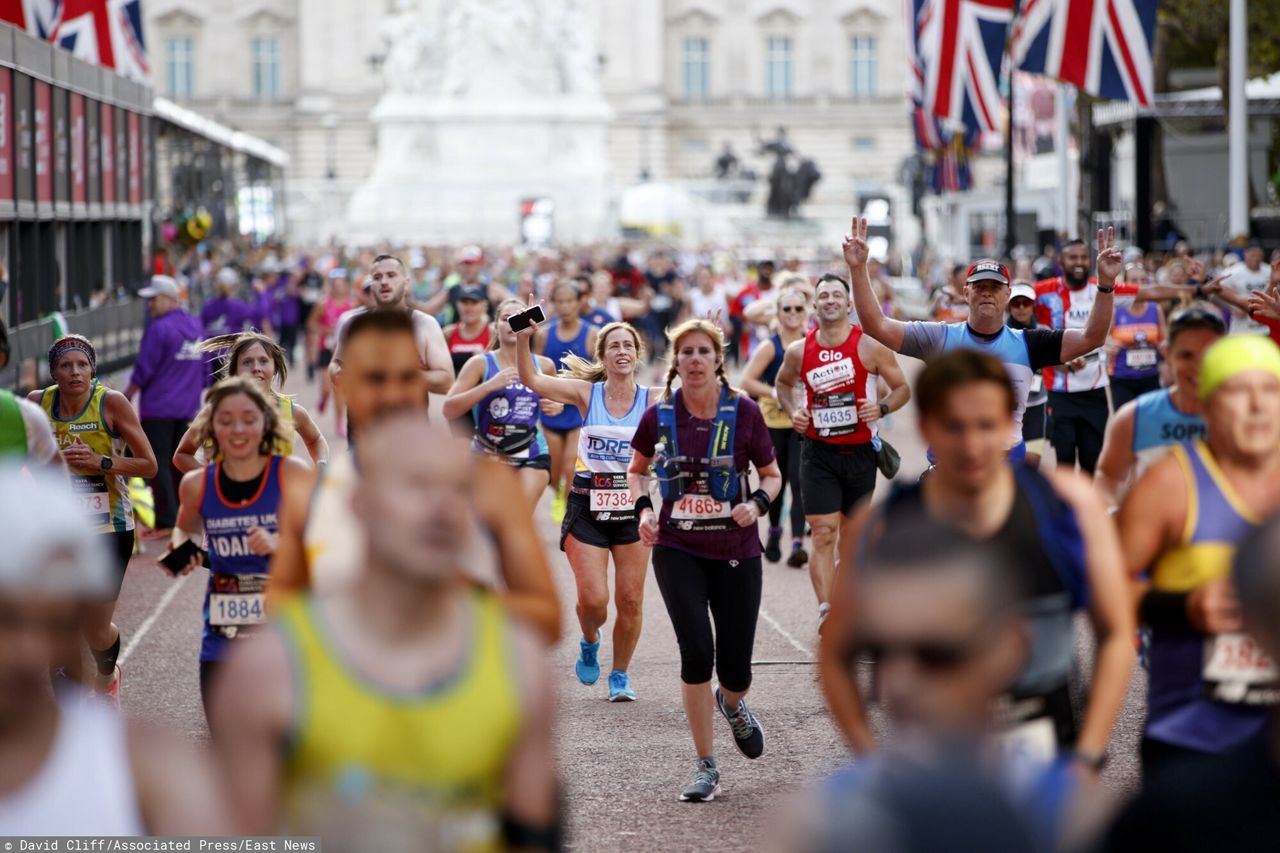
{"x":600,"y":517}
{"x":234,"y":503}
{"x":505,"y":410}
{"x":1134,"y":344}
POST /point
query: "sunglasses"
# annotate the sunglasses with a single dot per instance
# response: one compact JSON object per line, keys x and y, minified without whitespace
{"x":936,"y":655}
{"x":1196,"y":318}
{"x":791,"y":309}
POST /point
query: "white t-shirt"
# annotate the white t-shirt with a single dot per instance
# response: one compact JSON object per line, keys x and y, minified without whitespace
{"x":717,"y":300}
{"x":1245,"y":281}
{"x":41,"y":445}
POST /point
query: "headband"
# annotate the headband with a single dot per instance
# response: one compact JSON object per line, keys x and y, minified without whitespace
{"x":66,"y":345}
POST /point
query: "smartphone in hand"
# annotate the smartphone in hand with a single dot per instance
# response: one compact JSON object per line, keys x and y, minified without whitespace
{"x":520,"y":322}
{"x":178,"y":559}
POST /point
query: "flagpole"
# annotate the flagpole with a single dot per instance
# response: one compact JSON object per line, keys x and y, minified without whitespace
{"x":1010,"y":215}
{"x":1238,"y":127}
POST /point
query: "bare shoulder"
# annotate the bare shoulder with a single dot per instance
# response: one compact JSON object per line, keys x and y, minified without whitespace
{"x":295,"y":472}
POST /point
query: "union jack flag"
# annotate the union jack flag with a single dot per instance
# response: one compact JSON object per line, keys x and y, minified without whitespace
{"x":1101,"y":46}
{"x":960,"y":48}
{"x":104,"y":32}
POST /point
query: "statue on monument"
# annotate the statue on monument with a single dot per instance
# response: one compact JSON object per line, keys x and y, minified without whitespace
{"x":494,"y":50}
{"x":413,"y":62}
{"x":788,"y":187}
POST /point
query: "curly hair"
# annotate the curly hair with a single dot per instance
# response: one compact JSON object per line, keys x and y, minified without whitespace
{"x":272,"y":434}
{"x":594,"y":370}
{"x":712,"y":331}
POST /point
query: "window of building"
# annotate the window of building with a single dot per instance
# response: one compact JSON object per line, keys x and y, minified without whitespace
{"x":778,"y":70}
{"x":266,"y":68}
{"x":179,"y":62}
{"x":862,"y":66}
{"x":696,"y":67}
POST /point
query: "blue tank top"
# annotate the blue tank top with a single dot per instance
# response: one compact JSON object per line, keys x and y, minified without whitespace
{"x":235,"y":596}
{"x":1180,"y":710}
{"x":1010,"y":347}
{"x":556,"y":350}
{"x":1157,"y":424}
{"x":770,"y":375}
{"x":507,"y":420}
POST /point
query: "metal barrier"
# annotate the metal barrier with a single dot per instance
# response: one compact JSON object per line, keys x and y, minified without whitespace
{"x":115,"y":329}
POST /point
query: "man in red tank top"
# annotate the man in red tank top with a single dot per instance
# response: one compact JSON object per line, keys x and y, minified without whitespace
{"x":838,"y":366}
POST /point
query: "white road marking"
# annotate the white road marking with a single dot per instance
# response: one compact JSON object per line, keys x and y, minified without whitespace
{"x":786,"y":635}
{"x":150,"y":620}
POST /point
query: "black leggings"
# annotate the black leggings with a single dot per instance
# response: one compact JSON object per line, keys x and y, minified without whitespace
{"x":786,"y":446}
{"x":730,"y":590}
{"x":208,"y":678}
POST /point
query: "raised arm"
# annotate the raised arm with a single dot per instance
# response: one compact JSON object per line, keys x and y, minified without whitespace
{"x":562,"y":389}
{"x":1078,"y":342}
{"x":871,"y":316}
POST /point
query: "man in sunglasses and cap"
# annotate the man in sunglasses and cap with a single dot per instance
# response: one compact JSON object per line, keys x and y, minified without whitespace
{"x":1024,"y":352}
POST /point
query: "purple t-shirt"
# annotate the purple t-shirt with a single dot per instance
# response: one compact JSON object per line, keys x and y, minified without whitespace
{"x":170,"y":370}
{"x":227,"y":315}
{"x":751,"y":447}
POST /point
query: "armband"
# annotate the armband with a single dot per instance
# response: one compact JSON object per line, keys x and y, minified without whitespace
{"x":1166,"y":611}
{"x":1111,"y":289}
{"x":642,"y":503}
{"x":761,"y":499}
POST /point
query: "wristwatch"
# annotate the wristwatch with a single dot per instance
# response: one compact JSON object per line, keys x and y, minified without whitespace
{"x":1111,"y":289}
{"x":884,"y":410}
{"x":106,"y":463}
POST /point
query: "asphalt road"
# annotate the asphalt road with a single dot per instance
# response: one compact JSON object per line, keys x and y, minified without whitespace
{"x":622,"y":765}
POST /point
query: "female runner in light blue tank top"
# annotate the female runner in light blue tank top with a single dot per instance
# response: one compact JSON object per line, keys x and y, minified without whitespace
{"x":600,"y":517}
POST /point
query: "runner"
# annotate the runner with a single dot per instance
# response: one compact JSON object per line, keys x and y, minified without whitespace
{"x":506,"y":411}
{"x":93,"y":426}
{"x":389,"y":284}
{"x":1054,"y":527}
{"x":471,"y":335}
{"x":566,"y":334}
{"x":257,"y":357}
{"x":235,"y":503}
{"x":757,"y":379}
{"x":406,"y":710}
{"x":74,"y":767}
{"x":322,"y":328}
{"x":1022,"y":315}
{"x":707,"y":544}
{"x":320,"y":547}
{"x":171,"y":375}
{"x":25,"y":432}
{"x":226,"y":313}
{"x":1208,"y":690}
{"x":1134,"y":346}
{"x":600,"y":519}
{"x":837,"y":416}
{"x":1144,"y":429}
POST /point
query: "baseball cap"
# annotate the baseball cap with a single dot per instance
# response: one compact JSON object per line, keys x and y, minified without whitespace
{"x":987,"y":269}
{"x":49,"y":543}
{"x":1022,"y":289}
{"x":227,"y":275}
{"x":470,"y":254}
{"x":471,"y":292}
{"x":161,"y":285}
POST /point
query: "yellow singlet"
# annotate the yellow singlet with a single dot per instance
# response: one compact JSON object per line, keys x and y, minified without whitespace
{"x":425,"y":766}
{"x":105,"y":496}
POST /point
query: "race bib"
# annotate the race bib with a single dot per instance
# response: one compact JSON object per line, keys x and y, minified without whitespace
{"x":701,"y":512}
{"x":1238,"y":671}
{"x":610,"y":498}
{"x":835,"y":414}
{"x":1140,"y":358}
{"x":238,"y":609}
{"x":94,"y":497}
{"x":1032,"y":741}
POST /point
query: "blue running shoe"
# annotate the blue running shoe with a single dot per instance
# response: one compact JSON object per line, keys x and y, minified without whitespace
{"x":588,"y":665}
{"x":620,"y":687}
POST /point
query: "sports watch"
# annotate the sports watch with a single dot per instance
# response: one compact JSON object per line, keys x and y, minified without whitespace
{"x":106,"y":463}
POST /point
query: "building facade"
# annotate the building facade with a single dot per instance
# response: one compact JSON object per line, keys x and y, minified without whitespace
{"x":684,"y":77}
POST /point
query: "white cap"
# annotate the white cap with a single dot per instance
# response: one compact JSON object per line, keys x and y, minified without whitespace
{"x":1022,"y":289}
{"x":227,"y":275}
{"x":49,"y":545}
{"x":161,"y":285}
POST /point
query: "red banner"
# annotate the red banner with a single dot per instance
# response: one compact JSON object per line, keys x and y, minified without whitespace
{"x":79,"y":182}
{"x":107,"y":132}
{"x":6,"y":135}
{"x":135,"y":159}
{"x":44,"y":143}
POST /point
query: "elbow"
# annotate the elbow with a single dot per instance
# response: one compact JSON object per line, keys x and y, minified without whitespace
{"x":147,"y":468}
{"x":452,"y":409}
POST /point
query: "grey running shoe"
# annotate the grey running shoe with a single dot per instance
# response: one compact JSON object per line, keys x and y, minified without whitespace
{"x":705,"y":784}
{"x":748,"y":734}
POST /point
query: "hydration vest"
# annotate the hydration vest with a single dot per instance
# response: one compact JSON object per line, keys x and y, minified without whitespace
{"x":670,"y":467}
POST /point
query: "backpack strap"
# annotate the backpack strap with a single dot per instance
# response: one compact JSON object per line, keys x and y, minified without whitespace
{"x":666,"y":461}
{"x":722,"y":478}
{"x":1059,"y":531}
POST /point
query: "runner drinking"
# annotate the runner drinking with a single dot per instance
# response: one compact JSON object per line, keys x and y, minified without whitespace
{"x":699,"y":443}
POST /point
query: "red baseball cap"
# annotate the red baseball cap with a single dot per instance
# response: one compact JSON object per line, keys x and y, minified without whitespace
{"x":987,"y":269}
{"x":470,"y":254}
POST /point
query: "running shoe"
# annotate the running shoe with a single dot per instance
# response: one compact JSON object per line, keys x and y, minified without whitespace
{"x":620,"y":687}
{"x":705,"y":784}
{"x":112,"y":692}
{"x":558,"y":506}
{"x":824,"y":610}
{"x":773,"y":550}
{"x":748,"y":734}
{"x":588,"y":665}
{"x":799,"y":556}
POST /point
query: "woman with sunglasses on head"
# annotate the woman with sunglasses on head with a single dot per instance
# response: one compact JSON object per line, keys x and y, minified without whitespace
{"x":506,"y":411}
{"x":258,"y":357}
{"x":93,"y":426}
{"x":700,"y":443}
{"x":600,"y":518}
{"x":234,"y":504}
{"x":757,"y":379}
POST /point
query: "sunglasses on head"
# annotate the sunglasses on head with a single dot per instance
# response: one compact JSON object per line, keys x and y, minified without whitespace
{"x":1197,"y":318}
